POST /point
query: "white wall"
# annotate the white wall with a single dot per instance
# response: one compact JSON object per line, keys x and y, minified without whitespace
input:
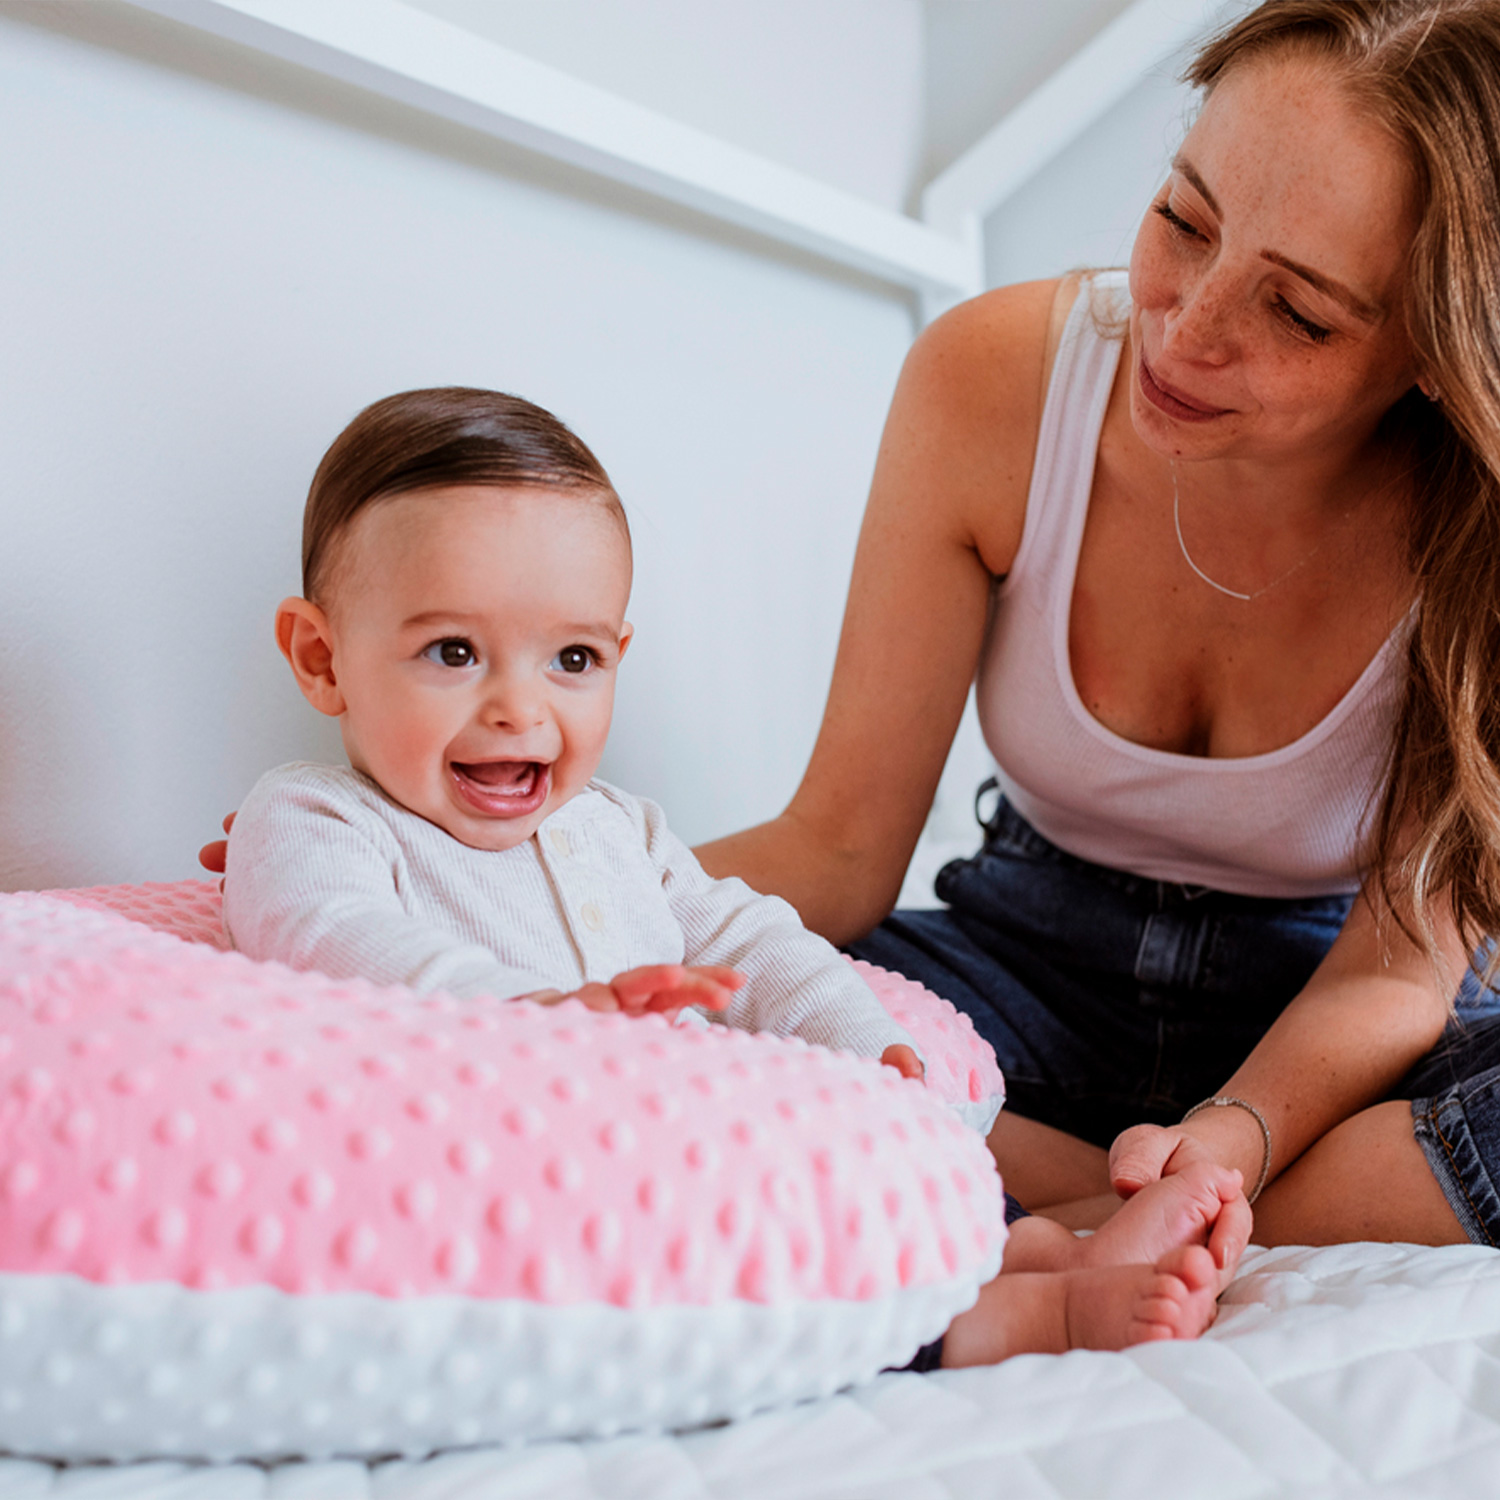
{"x":983,"y":57}
{"x":212,"y":262}
{"x":1084,"y":207}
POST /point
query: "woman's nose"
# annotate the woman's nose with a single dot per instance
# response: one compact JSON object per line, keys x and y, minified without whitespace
{"x":1199,"y":327}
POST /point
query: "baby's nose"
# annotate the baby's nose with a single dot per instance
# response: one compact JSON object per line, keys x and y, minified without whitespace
{"x":519,"y":704}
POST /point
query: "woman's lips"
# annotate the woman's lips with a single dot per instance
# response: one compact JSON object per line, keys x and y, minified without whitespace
{"x":502,"y":788}
{"x":1173,"y":402}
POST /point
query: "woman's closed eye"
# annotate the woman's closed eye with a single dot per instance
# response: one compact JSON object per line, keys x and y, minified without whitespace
{"x":1299,"y":324}
{"x":452,"y":651}
{"x":1180,"y":225}
{"x":1305,"y":326}
{"x":574,"y":660}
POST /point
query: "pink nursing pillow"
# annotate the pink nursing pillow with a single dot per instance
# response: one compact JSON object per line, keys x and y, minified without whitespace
{"x":961,"y":1066}
{"x":251,"y":1213}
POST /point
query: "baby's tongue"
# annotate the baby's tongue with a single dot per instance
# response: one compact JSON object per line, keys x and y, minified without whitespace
{"x":502,"y":775}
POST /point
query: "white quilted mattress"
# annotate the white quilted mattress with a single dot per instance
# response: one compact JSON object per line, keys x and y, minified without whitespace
{"x":1355,"y":1370}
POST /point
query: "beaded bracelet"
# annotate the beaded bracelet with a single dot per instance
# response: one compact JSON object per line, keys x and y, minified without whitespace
{"x":1223,"y":1101}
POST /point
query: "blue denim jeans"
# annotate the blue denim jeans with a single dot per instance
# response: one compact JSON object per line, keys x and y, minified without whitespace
{"x":1111,"y":999}
{"x":1455,"y":1111}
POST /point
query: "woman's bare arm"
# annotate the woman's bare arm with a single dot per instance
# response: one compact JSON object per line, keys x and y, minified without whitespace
{"x":945,"y":515}
{"x":1373,"y":1009}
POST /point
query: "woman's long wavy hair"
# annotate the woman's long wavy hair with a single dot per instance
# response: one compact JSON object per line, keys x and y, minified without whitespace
{"x":1429,"y":70}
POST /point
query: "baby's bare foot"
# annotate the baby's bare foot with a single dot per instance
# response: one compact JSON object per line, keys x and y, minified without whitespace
{"x":1116,"y":1306}
{"x":1201,"y":1205}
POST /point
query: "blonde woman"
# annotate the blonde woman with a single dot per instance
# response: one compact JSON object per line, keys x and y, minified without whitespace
{"x":1220,"y":542}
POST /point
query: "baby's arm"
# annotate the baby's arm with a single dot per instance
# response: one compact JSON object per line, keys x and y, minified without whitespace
{"x":796,"y":983}
{"x":312,"y":883}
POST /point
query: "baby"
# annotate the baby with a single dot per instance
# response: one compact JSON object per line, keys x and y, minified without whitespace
{"x":466,"y":567}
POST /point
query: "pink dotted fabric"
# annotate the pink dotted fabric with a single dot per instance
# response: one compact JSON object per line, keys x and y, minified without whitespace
{"x":189,"y":909}
{"x":961,"y":1066}
{"x":171,"y":1112}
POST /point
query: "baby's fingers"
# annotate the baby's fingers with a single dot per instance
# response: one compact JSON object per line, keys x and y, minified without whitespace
{"x":693,"y":990}
{"x":904,"y":1060}
{"x":596,"y":997}
{"x":636,"y":989}
{"x":710,"y":985}
{"x":731,"y":979}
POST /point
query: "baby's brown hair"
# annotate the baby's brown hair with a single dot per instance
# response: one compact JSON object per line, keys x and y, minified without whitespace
{"x":426,"y":439}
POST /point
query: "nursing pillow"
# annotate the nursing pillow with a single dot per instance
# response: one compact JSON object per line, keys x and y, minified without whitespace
{"x":250,"y":1213}
{"x":961,"y":1066}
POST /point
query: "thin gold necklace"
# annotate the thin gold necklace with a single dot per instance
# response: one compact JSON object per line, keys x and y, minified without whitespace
{"x":1187,"y":556}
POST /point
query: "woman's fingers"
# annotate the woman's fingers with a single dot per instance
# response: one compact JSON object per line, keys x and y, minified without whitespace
{"x":1146,"y":1152}
{"x":1231,"y":1232}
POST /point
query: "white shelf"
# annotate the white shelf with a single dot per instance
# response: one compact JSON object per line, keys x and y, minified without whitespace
{"x":429,"y":64}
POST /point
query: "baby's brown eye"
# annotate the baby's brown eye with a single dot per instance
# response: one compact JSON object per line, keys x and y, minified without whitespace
{"x":452,"y":653}
{"x":574,"y":659}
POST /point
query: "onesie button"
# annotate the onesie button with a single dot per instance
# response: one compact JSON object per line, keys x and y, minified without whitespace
{"x":593,"y":918}
{"x":561,"y":846}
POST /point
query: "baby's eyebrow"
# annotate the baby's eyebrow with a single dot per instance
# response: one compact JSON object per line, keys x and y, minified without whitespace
{"x":438,"y":616}
{"x":595,"y":628}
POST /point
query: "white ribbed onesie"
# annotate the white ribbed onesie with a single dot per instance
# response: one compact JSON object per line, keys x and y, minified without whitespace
{"x":1285,"y":824}
{"x":326,"y":872}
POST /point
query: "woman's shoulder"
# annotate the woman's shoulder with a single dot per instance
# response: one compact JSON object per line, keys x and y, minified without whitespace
{"x":969,"y":408}
{"x":995,"y":349}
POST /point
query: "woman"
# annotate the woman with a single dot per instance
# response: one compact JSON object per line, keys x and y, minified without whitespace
{"x":1229,"y":577}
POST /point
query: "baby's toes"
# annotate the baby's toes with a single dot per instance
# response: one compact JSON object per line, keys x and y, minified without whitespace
{"x":1160,"y":1312}
{"x":1193,"y":1266}
{"x":1179,"y":1300}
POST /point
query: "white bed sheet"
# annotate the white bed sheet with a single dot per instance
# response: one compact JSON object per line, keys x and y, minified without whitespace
{"x":1354,"y":1370}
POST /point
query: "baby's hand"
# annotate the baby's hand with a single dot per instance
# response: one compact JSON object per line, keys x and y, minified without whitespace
{"x":906,"y":1062}
{"x":668,"y":988}
{"x":595,"y":996}
{"x":662,"y":989}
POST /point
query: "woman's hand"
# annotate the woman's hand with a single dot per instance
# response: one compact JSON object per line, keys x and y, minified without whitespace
{"x":906,"y":1062}
{"x":1145,"y":1153}
{"x":213,"y":856}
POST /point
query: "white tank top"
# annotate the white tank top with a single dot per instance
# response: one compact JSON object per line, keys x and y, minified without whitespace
{"x":1288,"y":823}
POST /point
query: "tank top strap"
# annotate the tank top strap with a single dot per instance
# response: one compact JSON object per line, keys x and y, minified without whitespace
{"x":1083,"y":374}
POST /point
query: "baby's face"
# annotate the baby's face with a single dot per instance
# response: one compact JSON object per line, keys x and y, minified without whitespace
{"x":476,"y":635}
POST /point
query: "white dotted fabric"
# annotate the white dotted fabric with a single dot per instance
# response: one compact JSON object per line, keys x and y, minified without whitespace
{"x":1358,"y":1370}
{"x":125,"y":1372}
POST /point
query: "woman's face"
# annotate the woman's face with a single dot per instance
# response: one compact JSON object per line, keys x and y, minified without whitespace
{"x":1267,"y":277}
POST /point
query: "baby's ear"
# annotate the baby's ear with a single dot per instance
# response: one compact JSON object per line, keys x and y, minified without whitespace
{"x":627,"y":630}
{"x":306,"y":640}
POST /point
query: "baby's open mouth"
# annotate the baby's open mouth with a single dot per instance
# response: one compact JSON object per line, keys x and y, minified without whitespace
{"x":502,"y":788}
